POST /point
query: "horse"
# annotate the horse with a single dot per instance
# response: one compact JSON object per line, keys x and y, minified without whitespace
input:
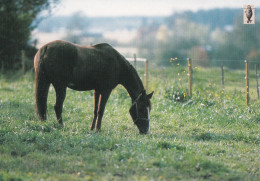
{"x":82,"y":68}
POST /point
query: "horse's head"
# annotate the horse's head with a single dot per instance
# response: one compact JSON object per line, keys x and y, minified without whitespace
{"x":140,"y":111}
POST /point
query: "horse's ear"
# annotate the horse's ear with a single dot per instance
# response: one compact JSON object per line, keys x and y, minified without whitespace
{"x":150,"y":95}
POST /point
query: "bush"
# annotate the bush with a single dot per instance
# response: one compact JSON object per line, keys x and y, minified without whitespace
{"x":176,"y":94}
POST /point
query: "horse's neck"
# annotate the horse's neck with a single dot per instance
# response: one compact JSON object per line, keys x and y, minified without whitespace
{"x":133,"y":83}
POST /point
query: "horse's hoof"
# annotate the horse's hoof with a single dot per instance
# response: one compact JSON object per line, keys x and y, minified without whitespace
{"x":61,"y":125}
{"x":43,"y":119}
{"x":60,"y":121}
{"x":97,"y":130}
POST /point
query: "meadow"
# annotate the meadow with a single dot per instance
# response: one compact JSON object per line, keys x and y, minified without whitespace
{"x":212,"y":135}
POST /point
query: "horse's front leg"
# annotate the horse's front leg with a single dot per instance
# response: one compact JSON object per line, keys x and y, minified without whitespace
{"x":101,"y":107}
{"x":95,"y":111}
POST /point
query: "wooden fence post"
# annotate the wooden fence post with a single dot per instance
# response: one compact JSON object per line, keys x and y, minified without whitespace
{"x":23,"y":63}
{"x":190,"y":76}
{"x":146,"y":74}
{"x":135,"y":61}
{"x":247,"y":81}
{"x":222,"y":75}
{"x":256,"y":78}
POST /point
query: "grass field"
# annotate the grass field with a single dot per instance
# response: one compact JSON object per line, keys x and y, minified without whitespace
{"x":211,"y":136}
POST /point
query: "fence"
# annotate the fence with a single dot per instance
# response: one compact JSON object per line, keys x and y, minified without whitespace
{"x":221,"y":74}
{"x":224,"y":77}
{"x":134,"y":60}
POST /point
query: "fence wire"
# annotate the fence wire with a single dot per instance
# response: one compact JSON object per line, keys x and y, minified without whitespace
{"x":223,"y":75}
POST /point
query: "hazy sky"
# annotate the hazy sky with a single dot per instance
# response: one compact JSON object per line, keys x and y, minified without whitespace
{"x":143,"y":7}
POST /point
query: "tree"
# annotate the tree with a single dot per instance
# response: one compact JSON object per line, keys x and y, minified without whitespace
{"x":243,"y":42}
{"x":179,"y":39}
{"x":17,"y":20}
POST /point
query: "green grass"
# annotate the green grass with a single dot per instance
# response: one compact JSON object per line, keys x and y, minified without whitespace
{"x":211,"y":136}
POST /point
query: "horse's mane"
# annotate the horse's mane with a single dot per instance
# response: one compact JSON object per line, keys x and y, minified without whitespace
{"x":131,"y":68}
{"x":133,"y":71}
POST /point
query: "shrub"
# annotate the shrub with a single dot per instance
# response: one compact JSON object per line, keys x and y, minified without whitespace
{"x":176,"y":94}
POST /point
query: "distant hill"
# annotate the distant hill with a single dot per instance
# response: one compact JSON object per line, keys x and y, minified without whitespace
{"x":99,"y":24}
{"x":214,"y":18}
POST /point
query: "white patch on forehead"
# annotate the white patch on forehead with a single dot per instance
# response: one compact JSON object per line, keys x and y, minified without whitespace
{"x":148,"y":118}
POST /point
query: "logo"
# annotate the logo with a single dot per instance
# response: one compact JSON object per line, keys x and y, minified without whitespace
{"x":249,"y":14}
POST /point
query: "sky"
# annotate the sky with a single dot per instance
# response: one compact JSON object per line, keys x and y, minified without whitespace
{"x":112,"y":8}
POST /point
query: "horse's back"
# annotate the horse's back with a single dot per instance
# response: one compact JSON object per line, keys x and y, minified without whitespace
{"x":84,"y":67}
{"x":60,"y":52}
{"x":99,"y":64}
{"x":57,"y":58}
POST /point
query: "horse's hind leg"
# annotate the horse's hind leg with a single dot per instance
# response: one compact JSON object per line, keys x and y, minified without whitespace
{"x":41,"y":95}
{"x":96,"y":101}
{"x":60,"y":97}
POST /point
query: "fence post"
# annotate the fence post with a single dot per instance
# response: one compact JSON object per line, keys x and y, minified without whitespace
{"x":256,"y":78}
{"x":135,"y":61}
{"x":247,"y":82}
{"x":23,"y":63}
{"x":146,"y":74}
{"x":190,"y":76}
{"x":222,"y":75}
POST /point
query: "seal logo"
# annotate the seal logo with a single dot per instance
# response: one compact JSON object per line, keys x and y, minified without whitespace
{"x":249,"y":14}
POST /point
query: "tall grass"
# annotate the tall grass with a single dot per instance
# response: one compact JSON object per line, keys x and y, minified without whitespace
{"x":209,"y":136}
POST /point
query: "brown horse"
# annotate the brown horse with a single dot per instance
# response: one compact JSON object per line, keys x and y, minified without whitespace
{"x":100,"y":68}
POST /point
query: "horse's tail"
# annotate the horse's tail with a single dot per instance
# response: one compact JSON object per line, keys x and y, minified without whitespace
{"x":41,"y":84}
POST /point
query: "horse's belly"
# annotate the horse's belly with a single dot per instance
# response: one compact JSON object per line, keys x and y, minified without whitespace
{"x":88,"y":76}
{"x":92,"y":82}
{"x":82,"y":85}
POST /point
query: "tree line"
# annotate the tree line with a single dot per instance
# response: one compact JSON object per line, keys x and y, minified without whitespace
{"x":17,"y":19}
{"x":217,"y":34}
{"x":184,"y":36}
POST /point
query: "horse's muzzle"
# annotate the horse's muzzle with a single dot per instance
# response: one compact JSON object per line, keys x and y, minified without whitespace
{"x":143,"y":129}
{"x":142,"y":132}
